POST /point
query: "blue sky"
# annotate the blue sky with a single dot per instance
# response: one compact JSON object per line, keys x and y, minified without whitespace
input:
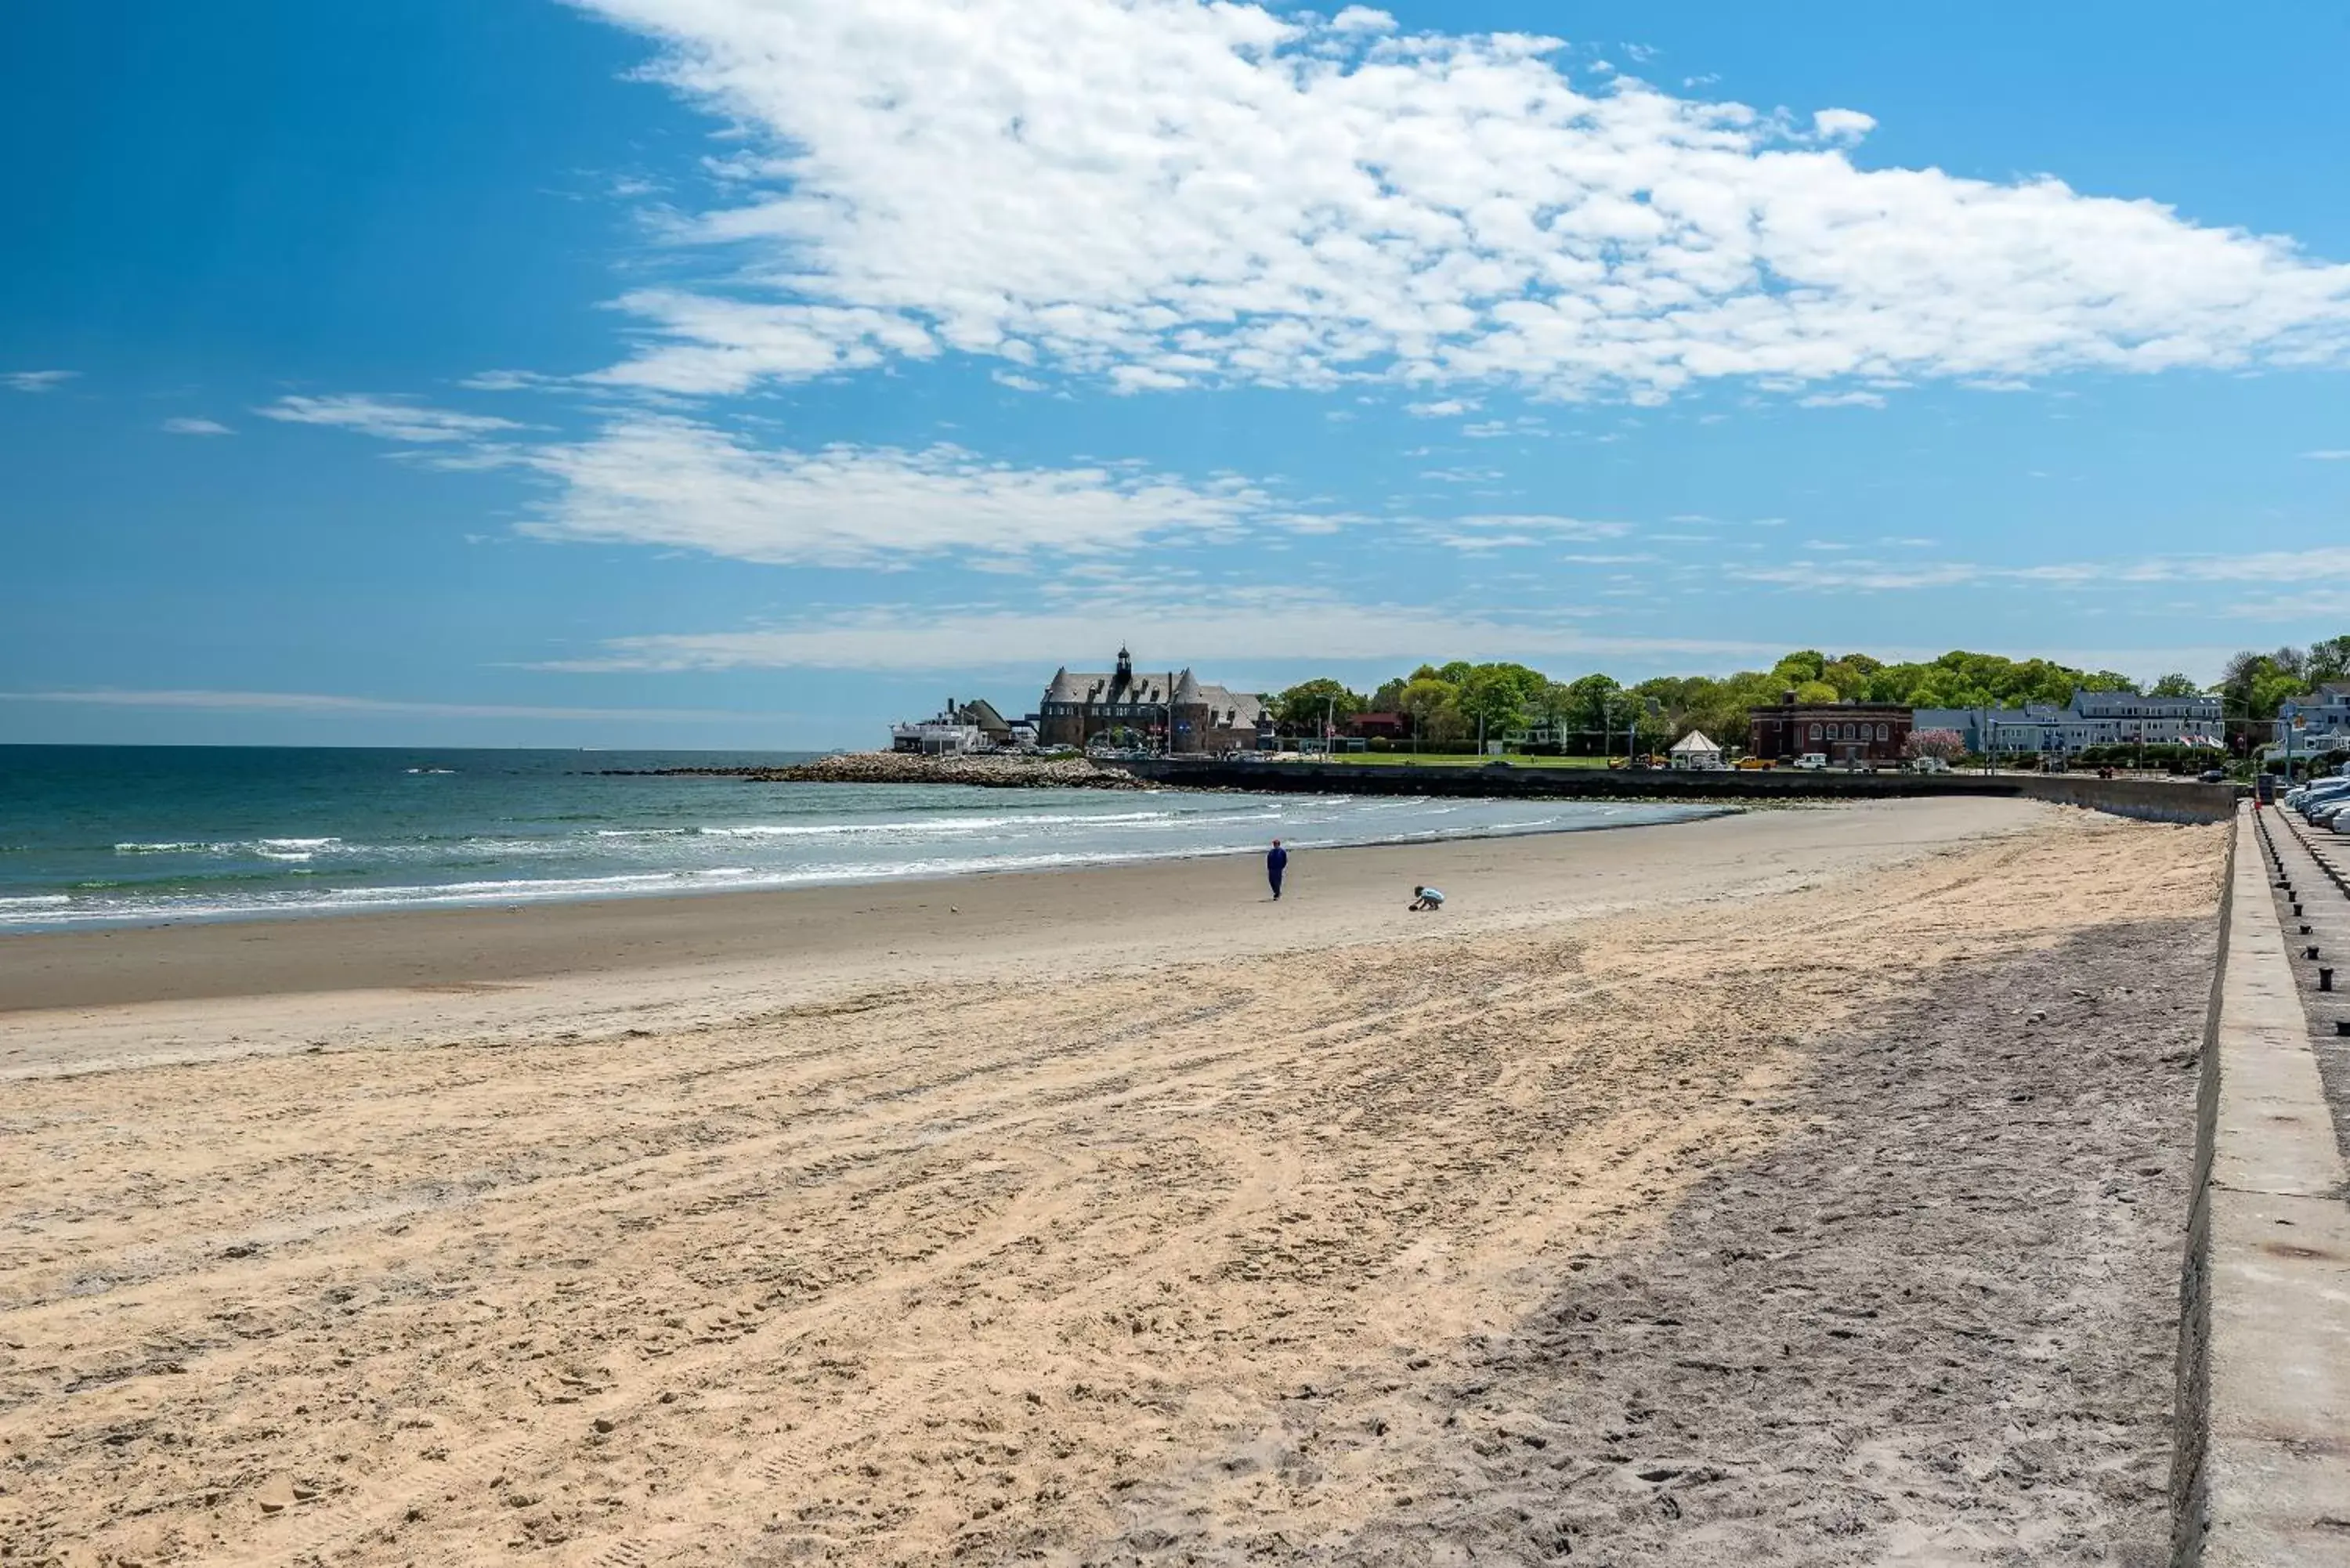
{"x":709,"y":372}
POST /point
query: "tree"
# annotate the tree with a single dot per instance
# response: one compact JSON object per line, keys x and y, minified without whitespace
{"x":1302,"y":709}
{"x":2174,"y":685}
{"x":1946,"y":745}
{"x":1587,"y":712}
{"x":1803,"y":664}
{"x":1434,"y":708}
{"x":1492,"y":700}
{"x":2327,"y":660}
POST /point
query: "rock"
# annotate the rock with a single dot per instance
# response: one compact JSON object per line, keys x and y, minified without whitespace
{"x":991,"y":771}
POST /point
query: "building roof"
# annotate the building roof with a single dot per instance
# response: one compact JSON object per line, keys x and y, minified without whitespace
{"x":1102,"y":686}
{"x":978,"y":710}
{"x":1151,"y":689}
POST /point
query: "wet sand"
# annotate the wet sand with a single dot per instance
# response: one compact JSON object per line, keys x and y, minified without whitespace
{"x":1806,"y":1188}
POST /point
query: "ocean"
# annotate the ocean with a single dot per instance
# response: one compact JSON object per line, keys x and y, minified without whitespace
{"x":114,"y":835}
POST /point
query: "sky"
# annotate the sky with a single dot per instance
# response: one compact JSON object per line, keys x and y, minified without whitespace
{"x":749,"y":373}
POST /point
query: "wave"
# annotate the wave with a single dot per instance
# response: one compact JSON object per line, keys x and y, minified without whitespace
{"x":265,"y":846}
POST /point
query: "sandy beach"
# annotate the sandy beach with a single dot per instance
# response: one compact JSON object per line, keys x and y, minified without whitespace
{"x":1797,"y":1186}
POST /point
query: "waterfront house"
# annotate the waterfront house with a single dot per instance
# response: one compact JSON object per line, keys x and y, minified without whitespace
{"x":1174,"y":710}
{"x":2090,"y":719}
{"x":1847,"y":733}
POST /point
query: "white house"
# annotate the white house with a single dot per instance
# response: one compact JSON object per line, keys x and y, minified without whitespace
{"x":2317,"y":721}
{"x":2090,"y":719}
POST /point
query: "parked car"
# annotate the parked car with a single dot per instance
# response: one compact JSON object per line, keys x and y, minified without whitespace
{"x":1754,"y":764}
{"x":1929,"y":765}
{"x":2214,"y":775}
{"x":1812,"y":762}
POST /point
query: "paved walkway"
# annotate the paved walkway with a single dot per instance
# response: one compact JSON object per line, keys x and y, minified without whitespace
{"x":2317,"y":864}
{"x":2271,"y":1370}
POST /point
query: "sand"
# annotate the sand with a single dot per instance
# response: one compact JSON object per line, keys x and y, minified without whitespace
{"x":1797,"y":1187}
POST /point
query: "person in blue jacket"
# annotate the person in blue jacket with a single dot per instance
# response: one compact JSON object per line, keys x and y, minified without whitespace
{"x":1276,"y":861}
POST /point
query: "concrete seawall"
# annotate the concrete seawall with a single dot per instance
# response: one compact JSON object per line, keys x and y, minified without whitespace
{"x":2146,"y":799}
{"x":2261,"y":1470}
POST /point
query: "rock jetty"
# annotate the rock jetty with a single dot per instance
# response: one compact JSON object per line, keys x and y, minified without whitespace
{"x":992,"y":771}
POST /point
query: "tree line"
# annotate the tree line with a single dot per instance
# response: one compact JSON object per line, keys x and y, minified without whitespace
{"x":1595,"y":713}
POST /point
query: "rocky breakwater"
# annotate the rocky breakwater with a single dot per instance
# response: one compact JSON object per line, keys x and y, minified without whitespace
{"x":990,"y":772}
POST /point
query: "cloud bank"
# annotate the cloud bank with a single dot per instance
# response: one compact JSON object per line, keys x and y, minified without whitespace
{"x":664,"y":480}
{"x":1171,"y":193}
{"x":1240,"y":626}
{"x":391,"y":419}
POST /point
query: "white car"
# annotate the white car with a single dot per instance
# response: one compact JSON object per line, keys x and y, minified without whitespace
{"x":1929,"y":765}
{"x":1812,"y":762}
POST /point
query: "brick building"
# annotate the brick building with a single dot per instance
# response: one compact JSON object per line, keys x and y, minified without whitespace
{"x":1845,"y":733}
{"x":1174,"y":708}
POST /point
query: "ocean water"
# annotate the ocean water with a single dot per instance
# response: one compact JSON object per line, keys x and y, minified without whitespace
{"x":99,"y":835}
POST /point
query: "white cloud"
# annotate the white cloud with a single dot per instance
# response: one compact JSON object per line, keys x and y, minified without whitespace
{"x":323,"y":702}
{"x":663,"y":480}
{"x":1843,"y":400}
{"x":1362,"y":19}
{"x":194,"y":426}
{"x":1443,"y":408}
{"x":1250,"y":625}
{"x":35,"y":380}
{"x":1509,"y":531}
{"x":2331,"y":454}
{"x":1841,"y":124}
{"x":2269,"y":567}
{"x":391,"y":419}
{"x":1176,"y":192}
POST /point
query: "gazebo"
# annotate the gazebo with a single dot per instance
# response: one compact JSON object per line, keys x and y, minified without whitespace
{"x":1694,"y":750}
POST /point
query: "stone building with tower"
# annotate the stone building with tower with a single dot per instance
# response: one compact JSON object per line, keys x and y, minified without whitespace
{"x":1172,"y":708}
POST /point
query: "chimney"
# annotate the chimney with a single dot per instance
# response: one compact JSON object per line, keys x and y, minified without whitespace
{"x":1788,"y":697}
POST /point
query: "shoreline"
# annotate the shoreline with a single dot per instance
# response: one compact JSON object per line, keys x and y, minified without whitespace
{"x":70,"y":999}
{"x":518,"y":897}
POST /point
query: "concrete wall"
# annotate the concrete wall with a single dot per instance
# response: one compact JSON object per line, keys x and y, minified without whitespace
{"x":2262,"y":1474}
{"x":2153,"y":800}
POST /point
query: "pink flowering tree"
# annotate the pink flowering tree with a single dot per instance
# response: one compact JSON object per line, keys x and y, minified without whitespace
{"x":1946,"y":745}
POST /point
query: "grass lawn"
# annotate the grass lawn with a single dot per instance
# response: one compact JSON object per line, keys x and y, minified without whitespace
{"x":1411,"y":759}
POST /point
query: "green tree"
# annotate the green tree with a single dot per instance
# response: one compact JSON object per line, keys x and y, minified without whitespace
{"x":1588,"y":716}
{"x":1301,"y":709}
{"x":2327,"y":660}
{"x":1492,"y":700}
{"x":1434,"y":707}
{"x":2174,"y":685}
